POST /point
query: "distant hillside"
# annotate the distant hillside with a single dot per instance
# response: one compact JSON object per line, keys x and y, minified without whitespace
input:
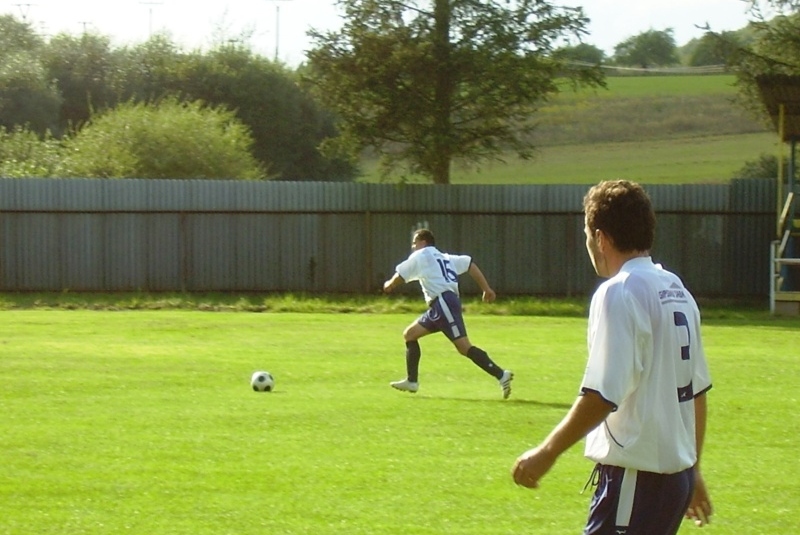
{"x":647,"y":108}
{"x":652,"y":129}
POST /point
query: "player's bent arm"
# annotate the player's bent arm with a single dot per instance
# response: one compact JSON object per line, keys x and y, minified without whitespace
{"x":478,"y":276}
{"x":588,"y":411}
{"x":393,"y":283}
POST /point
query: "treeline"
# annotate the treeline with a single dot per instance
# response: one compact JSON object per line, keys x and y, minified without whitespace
{"x":78,"y":106}
{"x":654,"y":49}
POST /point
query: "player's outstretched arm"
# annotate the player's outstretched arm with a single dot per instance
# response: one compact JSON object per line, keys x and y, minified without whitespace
{"x":477,"y":275}
{"x":588,"y":411}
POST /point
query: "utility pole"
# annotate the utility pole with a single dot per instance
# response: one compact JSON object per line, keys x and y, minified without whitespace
{"x":150,"y":16}
{"x":277,"y":25}
{"x":24,"y":9}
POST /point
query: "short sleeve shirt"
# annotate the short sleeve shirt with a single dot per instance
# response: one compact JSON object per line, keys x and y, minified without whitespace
{"x":437,"y":272}
{"x":646,"y":357}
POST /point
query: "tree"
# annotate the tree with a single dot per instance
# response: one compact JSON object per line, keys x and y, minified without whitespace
{"x":456,"y":81}
{"x":28,"y":97}
{"x":151,"y":70}
{"x":168,"y":139}
{"x":653,"y":48}
{"x":774,"y":49}
{"x":286,"y":123}
{"x":714,"y":49}
{"x":85,"y":69}
{"x":16,"y":36}
{"x":582,"y":52}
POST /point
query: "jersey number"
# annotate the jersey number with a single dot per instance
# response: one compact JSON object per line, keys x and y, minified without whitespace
{"x":681,"y":321}
{"x":447,"y":272}
{"x":685,"y":393}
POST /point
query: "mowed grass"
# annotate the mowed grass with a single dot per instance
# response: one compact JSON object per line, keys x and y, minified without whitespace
{"x":144,"y":422}
{"x":647,"y":86}
{"x":708,"y":159}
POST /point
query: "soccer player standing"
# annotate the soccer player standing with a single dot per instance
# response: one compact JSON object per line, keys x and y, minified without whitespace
{"x":642,"y":402}
{"x":437,"y":273}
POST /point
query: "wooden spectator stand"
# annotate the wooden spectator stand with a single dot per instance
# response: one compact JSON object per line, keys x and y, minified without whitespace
{"x":780,"y":94}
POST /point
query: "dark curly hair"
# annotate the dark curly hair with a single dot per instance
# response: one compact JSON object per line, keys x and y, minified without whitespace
{"x":622,"y":209}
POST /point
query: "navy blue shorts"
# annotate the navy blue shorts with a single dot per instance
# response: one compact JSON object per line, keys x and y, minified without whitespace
{"x":444,"y":314}
{"x":633,"y":502}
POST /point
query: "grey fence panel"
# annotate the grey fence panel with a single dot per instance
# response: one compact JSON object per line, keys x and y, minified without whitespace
{"x":211,"y":256}
{"x":564,"y":198}
{"x":751,"y":227}
{"x":524,"y":258}
{"x":266,"y":251}
{"x":745,"y":257}
{"x":523,"y":199}
{"x":256,"y":252}
{"x":299,"y":252}
{"x":560,"y":252}
{"x":389,"y":243}
{"x":36,"y":241}
{"x":195,"y":235}
{"x":80,"y":239}
{"x":753,"y":196}
{"x":704,"y":252}
{"x":165,"y":252}
{"x":30,"y":252}
{"x":705,"y":198}
{"x":479,"y":237}
{"x":123,"y":251}
{"x":211,"y":195}
{"x":342,"y":264}
{"x":692,"y":247}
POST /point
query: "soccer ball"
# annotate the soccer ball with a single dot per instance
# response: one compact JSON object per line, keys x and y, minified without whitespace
{"x":262,"y":382}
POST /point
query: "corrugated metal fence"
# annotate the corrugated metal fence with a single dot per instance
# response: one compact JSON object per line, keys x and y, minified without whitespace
{"x":197,"y":235}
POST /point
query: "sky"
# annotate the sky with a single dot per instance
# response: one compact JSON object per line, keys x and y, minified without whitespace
{"x":277,"y":28}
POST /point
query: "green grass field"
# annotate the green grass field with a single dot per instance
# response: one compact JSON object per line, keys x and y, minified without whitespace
{"x":143,"y":422}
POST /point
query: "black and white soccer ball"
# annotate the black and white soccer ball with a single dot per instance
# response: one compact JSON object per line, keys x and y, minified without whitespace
{"x":262,"y":381}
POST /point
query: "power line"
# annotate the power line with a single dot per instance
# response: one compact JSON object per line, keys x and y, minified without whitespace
{"x":24,"y":9}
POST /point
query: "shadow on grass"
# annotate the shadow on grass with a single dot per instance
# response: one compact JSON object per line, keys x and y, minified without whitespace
{"x":511,"y":400}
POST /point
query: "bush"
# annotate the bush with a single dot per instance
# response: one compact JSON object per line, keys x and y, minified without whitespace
{"x":168,"y":139}
{"x":24,"y":154}
{"x":765,"y":167}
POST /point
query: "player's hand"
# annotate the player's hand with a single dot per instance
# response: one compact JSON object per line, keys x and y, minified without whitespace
{"x":700,"y":509}
{"x":531,"y":466}
{"x":387,"y":287}
{"x":489,"y":296}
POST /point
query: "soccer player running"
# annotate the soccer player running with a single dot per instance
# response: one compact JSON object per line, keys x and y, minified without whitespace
{"x":642,"y":402}
{"x":437,"y":273}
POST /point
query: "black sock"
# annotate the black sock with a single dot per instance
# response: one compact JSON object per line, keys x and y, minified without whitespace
{"x":482,"y":360}
{"x":413,"y":354}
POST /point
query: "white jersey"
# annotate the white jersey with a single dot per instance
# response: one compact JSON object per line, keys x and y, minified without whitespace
{"x":646,"y":357}
{"x":437,"y":272}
